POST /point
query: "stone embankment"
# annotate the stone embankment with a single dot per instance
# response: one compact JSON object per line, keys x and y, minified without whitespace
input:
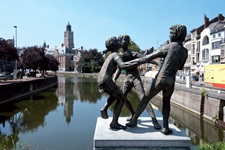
{"x":11,"y":90}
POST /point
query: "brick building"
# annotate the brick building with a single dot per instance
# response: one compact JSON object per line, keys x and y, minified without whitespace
{"x":65,"y":53}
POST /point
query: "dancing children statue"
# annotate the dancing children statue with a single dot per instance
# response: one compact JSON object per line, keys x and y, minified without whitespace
{"x":174,"y":57}
{"x":132,"y":80}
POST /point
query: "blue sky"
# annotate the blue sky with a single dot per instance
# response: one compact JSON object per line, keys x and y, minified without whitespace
{"x":93,"y":21}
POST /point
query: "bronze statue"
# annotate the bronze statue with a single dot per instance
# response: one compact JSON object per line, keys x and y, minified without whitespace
{"x":132,"y":79}
{"x":175,"y":56}
{"x":105,"y":82}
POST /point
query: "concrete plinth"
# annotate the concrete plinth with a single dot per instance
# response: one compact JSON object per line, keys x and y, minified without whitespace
{"x":141,"y":137}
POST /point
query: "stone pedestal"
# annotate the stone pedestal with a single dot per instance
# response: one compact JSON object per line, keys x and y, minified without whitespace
{"x":141,"y":137}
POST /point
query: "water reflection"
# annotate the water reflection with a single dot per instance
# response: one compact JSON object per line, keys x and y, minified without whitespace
{"x":65,"y":117}
{"x":74,"y":89}
{"x":25,"y":116}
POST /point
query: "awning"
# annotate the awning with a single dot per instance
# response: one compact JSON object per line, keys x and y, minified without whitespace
{"x":195,"y":71}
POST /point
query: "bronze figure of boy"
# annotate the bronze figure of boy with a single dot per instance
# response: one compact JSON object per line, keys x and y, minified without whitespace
{"x":174,"y":57}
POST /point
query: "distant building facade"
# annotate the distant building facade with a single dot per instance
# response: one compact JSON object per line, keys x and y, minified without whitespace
{"x":66,"y":54}
{"x":205,"y":44}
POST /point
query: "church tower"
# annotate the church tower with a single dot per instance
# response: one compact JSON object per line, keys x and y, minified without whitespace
{"x":68,"y":37}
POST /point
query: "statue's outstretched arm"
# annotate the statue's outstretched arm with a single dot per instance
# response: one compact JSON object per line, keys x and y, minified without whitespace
{"x":124,"y":65}
{"x":117,"y":74}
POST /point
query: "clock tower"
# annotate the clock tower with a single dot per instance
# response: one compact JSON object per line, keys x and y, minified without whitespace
{"x":68,"y":37}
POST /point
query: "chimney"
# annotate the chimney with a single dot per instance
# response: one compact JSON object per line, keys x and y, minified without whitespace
{"x":62,"y":45}
{"x":220,"y":17}
{"x":206,"y":21}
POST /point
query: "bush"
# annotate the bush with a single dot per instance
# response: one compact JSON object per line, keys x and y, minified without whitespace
{"x":216,"y":146}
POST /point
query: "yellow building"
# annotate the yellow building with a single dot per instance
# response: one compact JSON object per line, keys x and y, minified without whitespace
{"x":215,"y":75}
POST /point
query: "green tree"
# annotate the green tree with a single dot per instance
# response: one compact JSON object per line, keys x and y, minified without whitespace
{"x":33,"y":57}
{"x":133,"y":46}
{"x":52,"y":63}
{"x":8,"y":51}
{"x":90,"y":61}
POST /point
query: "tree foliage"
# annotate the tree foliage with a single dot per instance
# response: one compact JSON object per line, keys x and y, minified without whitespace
{"x":52,"y":63}
{"x":90,"y":61}
{"x":8,"y":51}
{"x":133,"y":46}
{"x":32,"y":57}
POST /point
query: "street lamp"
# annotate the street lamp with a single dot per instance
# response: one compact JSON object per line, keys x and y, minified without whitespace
{"x":15,"y":42}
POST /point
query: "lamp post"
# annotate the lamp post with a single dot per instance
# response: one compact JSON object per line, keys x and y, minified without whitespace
{"x":15,"y":42}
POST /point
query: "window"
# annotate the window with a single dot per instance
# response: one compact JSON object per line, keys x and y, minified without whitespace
{"x":205,"y":54}
{"x":222,"y":53}
{"x":205,"y":40}
{"x":215,"y":59}
{"x":193,"y":49}
{"x":222,"y":50}
{"x":219,"y":34}
{"x":197,"y":57}
{"x":216,"y":45}
{"x":222,"y":46}
{"x":198,"y":46}
{"x":214,"y":36}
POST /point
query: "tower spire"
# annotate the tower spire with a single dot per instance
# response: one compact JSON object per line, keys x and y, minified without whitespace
{"x":68,"y":27}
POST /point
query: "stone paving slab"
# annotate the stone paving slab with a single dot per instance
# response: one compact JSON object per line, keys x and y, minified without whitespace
{"x":143,"y":136}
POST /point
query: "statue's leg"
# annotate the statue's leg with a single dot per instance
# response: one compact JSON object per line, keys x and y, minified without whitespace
{"x":126,"y":88}
{"x":114,"y":91}
{"x":167,"y":93}
{"x":117,"y":109}
{"x":108,"y":103}
{"x":139,"y":88}
{"x":150,"y":110}
{"x":151,"y":92}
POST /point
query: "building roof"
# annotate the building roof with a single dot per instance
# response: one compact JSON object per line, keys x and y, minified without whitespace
{"x":217,"y":26}
{"x":188,"y":37}
{"x":199,"y":29}
{"x":61,"y":50}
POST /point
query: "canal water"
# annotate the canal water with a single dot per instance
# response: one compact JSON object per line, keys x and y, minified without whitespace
{"x":65,"y":117}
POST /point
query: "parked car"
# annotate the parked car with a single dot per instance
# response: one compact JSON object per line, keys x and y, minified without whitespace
{"x":31,"y":74}
{"x":4,"y":76}
{"x":10,"y":76}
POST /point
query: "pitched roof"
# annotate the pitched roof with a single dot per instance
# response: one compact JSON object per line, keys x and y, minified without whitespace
{"x":217,"y":26}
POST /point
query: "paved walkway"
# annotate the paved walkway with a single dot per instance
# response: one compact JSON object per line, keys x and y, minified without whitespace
{"x":24,"y":79}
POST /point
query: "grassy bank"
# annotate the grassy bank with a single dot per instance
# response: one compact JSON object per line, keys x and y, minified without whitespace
{"x":217,"y":146}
